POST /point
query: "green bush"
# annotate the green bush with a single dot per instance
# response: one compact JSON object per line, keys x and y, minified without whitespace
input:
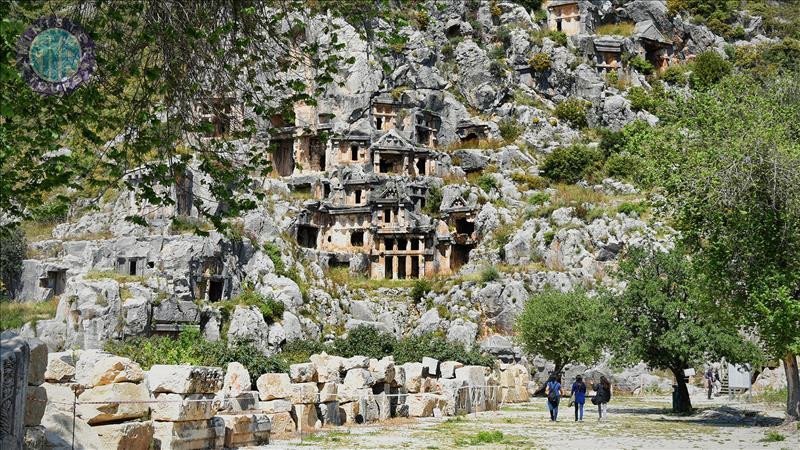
{"x":548,"y":237}
{"x":708,"y":69}
{"x":527,"y":181}
{"x":414,"y":348}
{"x":540,"y":62}
{"x":52,"y":211}
{"x":573,"y":110}
{"x":487,"y":182}
{"x":632,"y":208}
{"x":490,"y":273}
{"x":12,"y":251}
{"x":569,"y":164}
{"x":558,"y":37}
{"x":433,"y":201}
{"x":364,"y":341}
{"x":539,"y":198}
{"x":510,"y":129}
{"x":420,"y":289}
{"x":641,"y":65}
{"x":624,"y":166}
{"x":674,"y":74}
{"x":611,"y":141}
{"x":274,"y":253}
{"x":271,"y":309}
{"x":641,"y":100}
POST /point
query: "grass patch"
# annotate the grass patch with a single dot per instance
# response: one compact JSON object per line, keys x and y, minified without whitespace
{"x":326,"y":437}
{"x":37,"y":231}
{"x":481,"y":437}
{"x":776,"y":396}
{"x":616,"y":29}
{"x":111,"y":275}
{"x":340,"y":276}
{"x":773,"y":436}
{"x":482,"y":144}
{"x":14,"y":315}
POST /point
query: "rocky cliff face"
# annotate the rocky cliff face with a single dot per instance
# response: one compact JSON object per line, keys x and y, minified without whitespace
{"x":478,"y":110}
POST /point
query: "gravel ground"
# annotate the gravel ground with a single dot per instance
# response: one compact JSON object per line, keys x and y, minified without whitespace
{"x":633,"y":423}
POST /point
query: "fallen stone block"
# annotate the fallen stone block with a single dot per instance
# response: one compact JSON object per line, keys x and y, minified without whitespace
{"x":358,"y":378}
{"x":197,"y":434}
{"x":34,"y":438}
{"x":109,"y":409}
{"x":447,"y":369}
{"x":282,"y":423}
{"x":305,"y":416}
{"x":115,"y":369}
{"x":328,"y":392}
{"x":126,"y":435}
{"x":245,"y":401}
{"x":351,"y":412}
{"x":431,"y":366}
{"x":244,"y":430}
{"x":304,"y":393}
{"x":329,"y":413}
{"x":474,"y":375}
{"x":303,"y":373}
{"x":422,"y":405}
{"x":382,"y":370}
{"x":236,"y":381}
{"x":328,"y":367}
{"x":274,"y":406}
{"x":58,"y":427}
{"x":35,"y":403}
{"x":415,"y":374}
{"x":37,"y":364}
{"x":184,"y":407}
{"x":274,"y":385}
{"x":356,"y":362}
{"x":457,"y":395}
{"x":184,"y":379}
{"x":85,"y":362}
{"x":60,"y":367}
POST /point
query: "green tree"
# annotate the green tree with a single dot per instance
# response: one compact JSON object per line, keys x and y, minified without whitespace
{"x":563,"y":327}
{"x":665,"y":322}
{"x":570,"y":164}
{"x":12,"y":252}
{"x":734,"y":181}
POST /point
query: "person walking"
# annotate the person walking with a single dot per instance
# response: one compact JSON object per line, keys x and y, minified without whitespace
{"x":578,"y":395}
{"x":553,"y":391}
{"x":602,"y":396}
{"x":717,"y":383}
{"x":710,"y":381}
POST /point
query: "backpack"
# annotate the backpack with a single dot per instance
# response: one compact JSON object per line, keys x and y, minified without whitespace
{"x":552,"y":395}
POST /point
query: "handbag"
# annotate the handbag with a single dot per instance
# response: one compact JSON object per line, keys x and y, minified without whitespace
{"x":571,"y":400}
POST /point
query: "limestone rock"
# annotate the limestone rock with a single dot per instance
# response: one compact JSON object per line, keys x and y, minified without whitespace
{"x":303,"y":392}
{"x":37,"y":364}
{"x":35,"y":403}
{"x":355,"y":362}
{"x":431,"y":366}
{"x":273,"y":386}
{"x":305,"y":417}
{"x":184,"y":379}
{"x":183,"y":407}
{"x":422,"y":405}
{"x":85,"y":364}
{"x":382,"y":370}
{"x":274,"y":406}
{"x":245,"y":430}
{"x":112,"y":411}
{"x":34,"y":438}
{"x":414,"y":376}
{"x":351,"y":413}
{"x":237,"y":380}
{"x":303,"y":373}
{"x":60,"y":367}
{"x":195,"y":434}
{"x":358,"y":378}
{"x":328,"y":392}
{"x":115,"y":369}
{"x":126,"y":435}
{"x":329,"y":413}
{"x":248,"y":325}
{"x":448,"y":368}
{"x":327,"y":366}
{"x":282,"y":422}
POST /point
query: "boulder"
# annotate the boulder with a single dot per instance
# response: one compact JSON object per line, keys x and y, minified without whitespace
{"x":328,"y":413}
{"x":86,"y":361}
{"x":282,"y":422}
{"x":236,"y":381}
{"x":328,"y":392}
{"x":183,"y":407}
{"x":414,"y":376}
{"x":247,"y":325}
{"x":115,"y":369}
{"x":185,"y":379}
{"x":195,"y":434}
{"x":422,"y":405}
{"x":382,"y":370}
{"x":471,"y":160}
{"x":125,"y":436}
{"x":448,"y":368}
{"x":305,"y":417}
{"x":370,"y":411}
{"x":303,"y":373}
{"x":355,"y":362}
{"x":60,"y":367}
{"x":431,"y":366}
{"x":35,"y":403}
{"x":246,"y":430}
{"x":34,"y":438}
{"x":59,"y":427}
{"x":473,"y":375}
{"x":456,"y":394}
{"x":358,"y":378}
{"x":109,"y":410}
{"x":275,"y":406}
{"x":351,"y":413}
{"x":328,"y":367}
{"x":37,"y":364}
{"x":273,"y":386}
{"x":303,"y":392}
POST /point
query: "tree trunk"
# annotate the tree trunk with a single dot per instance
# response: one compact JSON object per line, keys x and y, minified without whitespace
{"x":792,"y":386}
{"x":684,"y":403}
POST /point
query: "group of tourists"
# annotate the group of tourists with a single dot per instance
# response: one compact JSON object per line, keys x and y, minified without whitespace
{"x":578,"y":396}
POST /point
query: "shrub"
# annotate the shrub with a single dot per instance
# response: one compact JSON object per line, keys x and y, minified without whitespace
{"x":709,"y":69}
{"x":510,"y":129}
{"x":558,"y":37}
{"x":641,"y":65}
{"x":674,"y":74}
{"x":271,"y":310}
{"x":624,"y":166}
{"x":364,"y":340}
{"x":641,"y":100}
{"x":527,"y":181}
{"x":274,"y":253}
{"x":773,"y":436}
{"x":490,"y":273}
{"x":12,"y":252}
{"x":540,"y":62}
{"x":434,"y":200}
{"x":611,"y":142}
{"x":414,"y":348}
{"x":573,"y":111}
{"x":632,"y":208}
{"x":487,"y":182}
{"x":548,"y":237}
{"x":420,"y":289}
{"x":539,"y":198}
{"x":569,"y":164}
{"x":52,"y":211}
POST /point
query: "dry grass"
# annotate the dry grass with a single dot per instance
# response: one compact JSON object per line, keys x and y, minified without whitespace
{"x":616,"y":29}
{"x":37,"y":231}
{"x":111,"y":275}
{"x":482,"y":144}
{"x":14,"y":314}
{"x":340,"y":276}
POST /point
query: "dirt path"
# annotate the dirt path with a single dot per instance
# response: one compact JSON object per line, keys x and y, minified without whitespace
{"x":633,"y":424}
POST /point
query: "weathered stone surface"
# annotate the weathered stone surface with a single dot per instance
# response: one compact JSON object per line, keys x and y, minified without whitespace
{"x":242,"y":430}
{"x":327,"y":366}
{"x":303,"y":373}
{"x":358,"y":378}
{"x":110,"y":411}
{"x":34,"y":438}
{"x":351,"y":412}
{"x":274,"y":385}
{"x":370,"y":411}
{"x":474,"y":375}
{"x":431,"y":366}
{"x":305,"y":416}
{"x":328,"y":392}
{"x":85,"y":364}
{"x":247,"y":325}
{"x":184,"y":379}
{"x":382,"y":370}
{"x":60,"y":367}
{"x":37,"y":364}
{"x":198,"y":434}
{"x":457,"y":396}
{"x":282,"y":422}
{"x":303,"y":393}
{"x":115,"y":369}
{"x":448,"y":369}
{"x":245,"y":401}
{"x":329,"y":413}
{"x":274,"y":406}
{"x":125,"y":436}
{"x":14,"y":358}
{"x":35,"y":403}
{"x":183,"y":407}
{"x":356,"y":362}
{"x":236,"y":381}
{"x":422,"y":405}
{"x":415,"y":374}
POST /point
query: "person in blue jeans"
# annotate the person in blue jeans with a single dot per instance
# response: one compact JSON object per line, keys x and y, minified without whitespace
{"x":553,"y":391}
{"x":579,"y":391}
